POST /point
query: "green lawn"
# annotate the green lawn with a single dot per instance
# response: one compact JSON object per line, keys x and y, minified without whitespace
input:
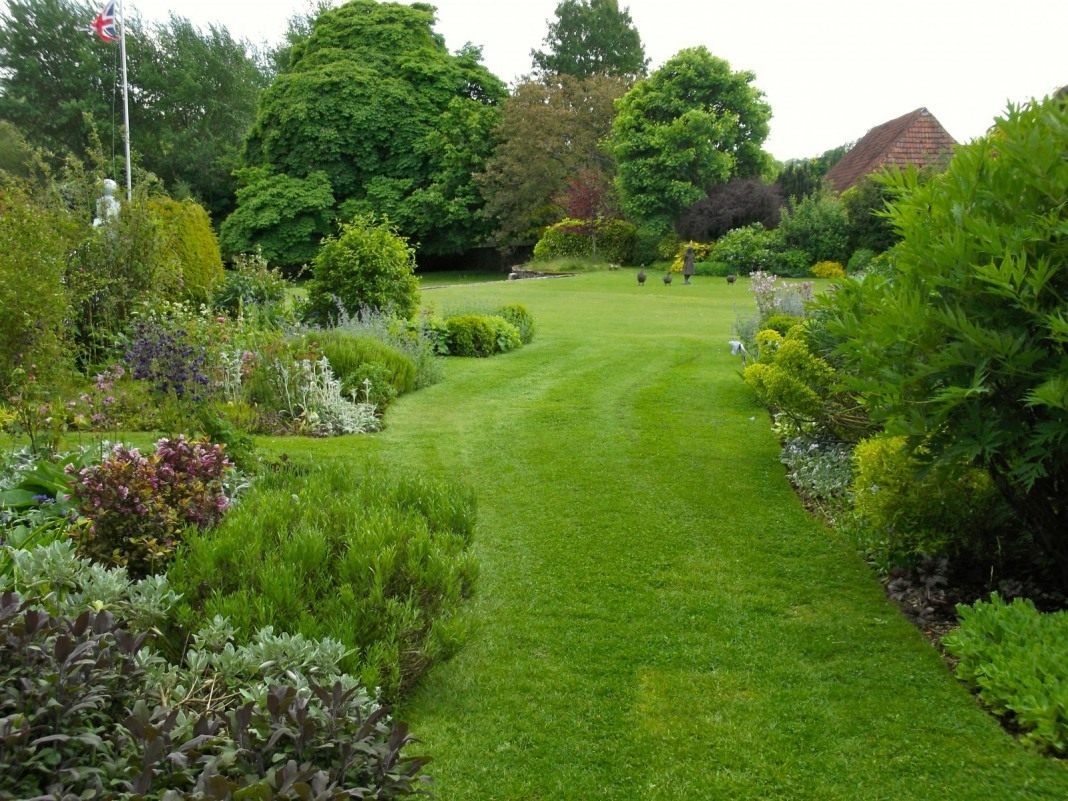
{"x":437,"y":280}
{"x":657,"y":617}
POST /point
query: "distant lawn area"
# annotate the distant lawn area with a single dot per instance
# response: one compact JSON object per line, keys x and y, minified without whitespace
{"x":656,"y":616}
{"x":436,"y":280}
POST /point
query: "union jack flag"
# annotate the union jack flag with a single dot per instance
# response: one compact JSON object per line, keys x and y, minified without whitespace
{"x":105,"y":25}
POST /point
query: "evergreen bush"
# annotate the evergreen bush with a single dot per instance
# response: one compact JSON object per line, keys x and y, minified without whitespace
{"x":186,"y":232}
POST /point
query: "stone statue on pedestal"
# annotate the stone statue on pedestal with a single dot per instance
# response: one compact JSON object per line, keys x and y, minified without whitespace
{"x":107,"y":207}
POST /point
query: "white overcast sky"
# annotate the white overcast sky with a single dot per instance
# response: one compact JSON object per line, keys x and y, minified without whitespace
{"x":831,"y":69}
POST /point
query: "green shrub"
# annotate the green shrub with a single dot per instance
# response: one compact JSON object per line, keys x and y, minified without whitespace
{"x":368,"y":266}
{"x":1016,"y":658}
{"x":860,"y":260}
{"x":964,"y":350}
{"x":377,"y":561}
{"x":517,"y":315}
{"x":748,"y":249}
{"x":781,"y":322}
{"x":34,"y":303}
{"x":186,"y":232}
{"x":817,"y":225}
{"x":714,"y":269}
{"x":611,"y":240}
{"x":828,"y":269}
{"x":348,"y":353}
{"x":481,"y":335}
{"x":908,"y":514}
{"x":250,"y":282}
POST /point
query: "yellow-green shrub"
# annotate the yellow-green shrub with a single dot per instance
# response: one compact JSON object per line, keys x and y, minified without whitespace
{"x":701,"y":252}
{"x":186,"y":233}
{"x":907,"y":513}
{"x":828,"y":269}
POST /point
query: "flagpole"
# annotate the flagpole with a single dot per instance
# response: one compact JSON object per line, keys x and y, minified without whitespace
{"x":125,"y":101}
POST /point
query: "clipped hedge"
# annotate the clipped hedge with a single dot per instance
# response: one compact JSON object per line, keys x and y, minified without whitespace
{"x":517,"y":315}
{"x":368,"y":557}
{"x":610,"y":240}
{"x":481,"y":335}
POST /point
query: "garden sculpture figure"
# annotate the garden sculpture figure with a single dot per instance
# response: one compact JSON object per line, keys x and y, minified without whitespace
{"x":107,"y":207}
{"x":731,"y":278}
{"x":667,"y":278}
{"x":641,"y":277}
{"x":687,"y":265}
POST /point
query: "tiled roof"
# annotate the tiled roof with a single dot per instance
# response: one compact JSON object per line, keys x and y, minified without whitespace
{"x":915,"y":138}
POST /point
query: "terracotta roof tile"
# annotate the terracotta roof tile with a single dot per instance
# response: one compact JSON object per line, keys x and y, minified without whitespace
{"x":915,"y":138}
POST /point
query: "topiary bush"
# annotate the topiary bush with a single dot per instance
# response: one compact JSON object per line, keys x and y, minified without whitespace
{"x":375,"y":560}
{"x":367,"y":266}
{"x":1016,"y":659}
{"x":481,"y":335}
{"x":186,"y":232}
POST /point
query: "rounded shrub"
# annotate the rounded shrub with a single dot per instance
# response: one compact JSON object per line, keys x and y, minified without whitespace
{"x":610,"y":240}
{"x":481,"y":335}
{"x":349,"y":355}
{"x":368,"y":266}
{"x":517,"y":315}
{"x":186,"y":232}
{"x":828,"y":269}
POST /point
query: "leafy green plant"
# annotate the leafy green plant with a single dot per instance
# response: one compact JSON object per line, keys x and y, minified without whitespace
{"x":517,"y":315}
{"x":368,"y":266}
{"x":860,"y":260}
{"x":310,"y":399}
{"x":964,"y":350}
{"x":186,"y":232}
{"x":348,"y":353}
{"x":818,"y":226}
{"x":481,"y":335}
{"x":1016,"y":659}
{"x":376,"y":561}
{"x":249,"y":283}
{"x":609,"y":240}
{"x":80,"y":716}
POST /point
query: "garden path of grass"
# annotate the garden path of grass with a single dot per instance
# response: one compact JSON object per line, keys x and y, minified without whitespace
{"x":657,"y":617}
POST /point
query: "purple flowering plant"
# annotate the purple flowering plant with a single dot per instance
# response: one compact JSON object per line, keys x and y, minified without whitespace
{"x":137,"y":506}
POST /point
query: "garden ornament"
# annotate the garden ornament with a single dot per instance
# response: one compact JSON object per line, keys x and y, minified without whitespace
{"x":641,"y":277}
{"x":107,"y":207}
{"x":687,"y":265}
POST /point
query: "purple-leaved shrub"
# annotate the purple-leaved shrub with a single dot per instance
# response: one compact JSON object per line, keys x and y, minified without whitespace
{"x":136,"y":506}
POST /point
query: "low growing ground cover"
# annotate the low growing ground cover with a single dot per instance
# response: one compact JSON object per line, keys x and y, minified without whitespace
{"x":657,"y":617}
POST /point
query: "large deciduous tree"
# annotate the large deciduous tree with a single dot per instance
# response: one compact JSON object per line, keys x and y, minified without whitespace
{"x":193,"y":94}
{"x":690,"y":126}
{"x":373,"y":100}
{"x":591,"y":37}
{"x":550,"y":139}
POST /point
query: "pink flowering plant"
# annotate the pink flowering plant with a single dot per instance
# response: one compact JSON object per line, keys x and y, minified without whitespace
{"x":136,"y":507}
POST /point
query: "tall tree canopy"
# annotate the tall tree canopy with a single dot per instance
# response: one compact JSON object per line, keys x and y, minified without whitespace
{"x":691,"y":125}
{"x":550,"y":136}
{"x":591,"y":37}
{"x":373,"y":100}
{"x":193,"y":93}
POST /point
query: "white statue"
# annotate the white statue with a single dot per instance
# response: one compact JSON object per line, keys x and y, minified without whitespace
{"x":107,"y":207}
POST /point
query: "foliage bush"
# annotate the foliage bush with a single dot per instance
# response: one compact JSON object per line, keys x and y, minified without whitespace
{"x":820,"y":470}
{"x":701,"y":252}
{"x":611,"y":240}
{"x":964,"y":350}
{"x":481,"y":335}
{"x":34,"y":301}
{"x":735,"y":204}
{"x":860,"y":260}
{"x":186,"y":233}
{"x":865,"y":206}
{"x":137,"y":507}
{"x":908,"y":515}
{"x":348,"y":353}
{"x":368,"y":266}
{"x":817,"y":225}
{"x":517,"y":315}
{"x":249,"y":283}
{"x":748,"y":249}
{"x":311,"y":399}
{"x":828,"y":269}
{"x":421,"y":339}
{"x":84,"y":717}
{"x":374,"y":560}
{"x":713,"y":269}
{"x":1016,"y":659}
